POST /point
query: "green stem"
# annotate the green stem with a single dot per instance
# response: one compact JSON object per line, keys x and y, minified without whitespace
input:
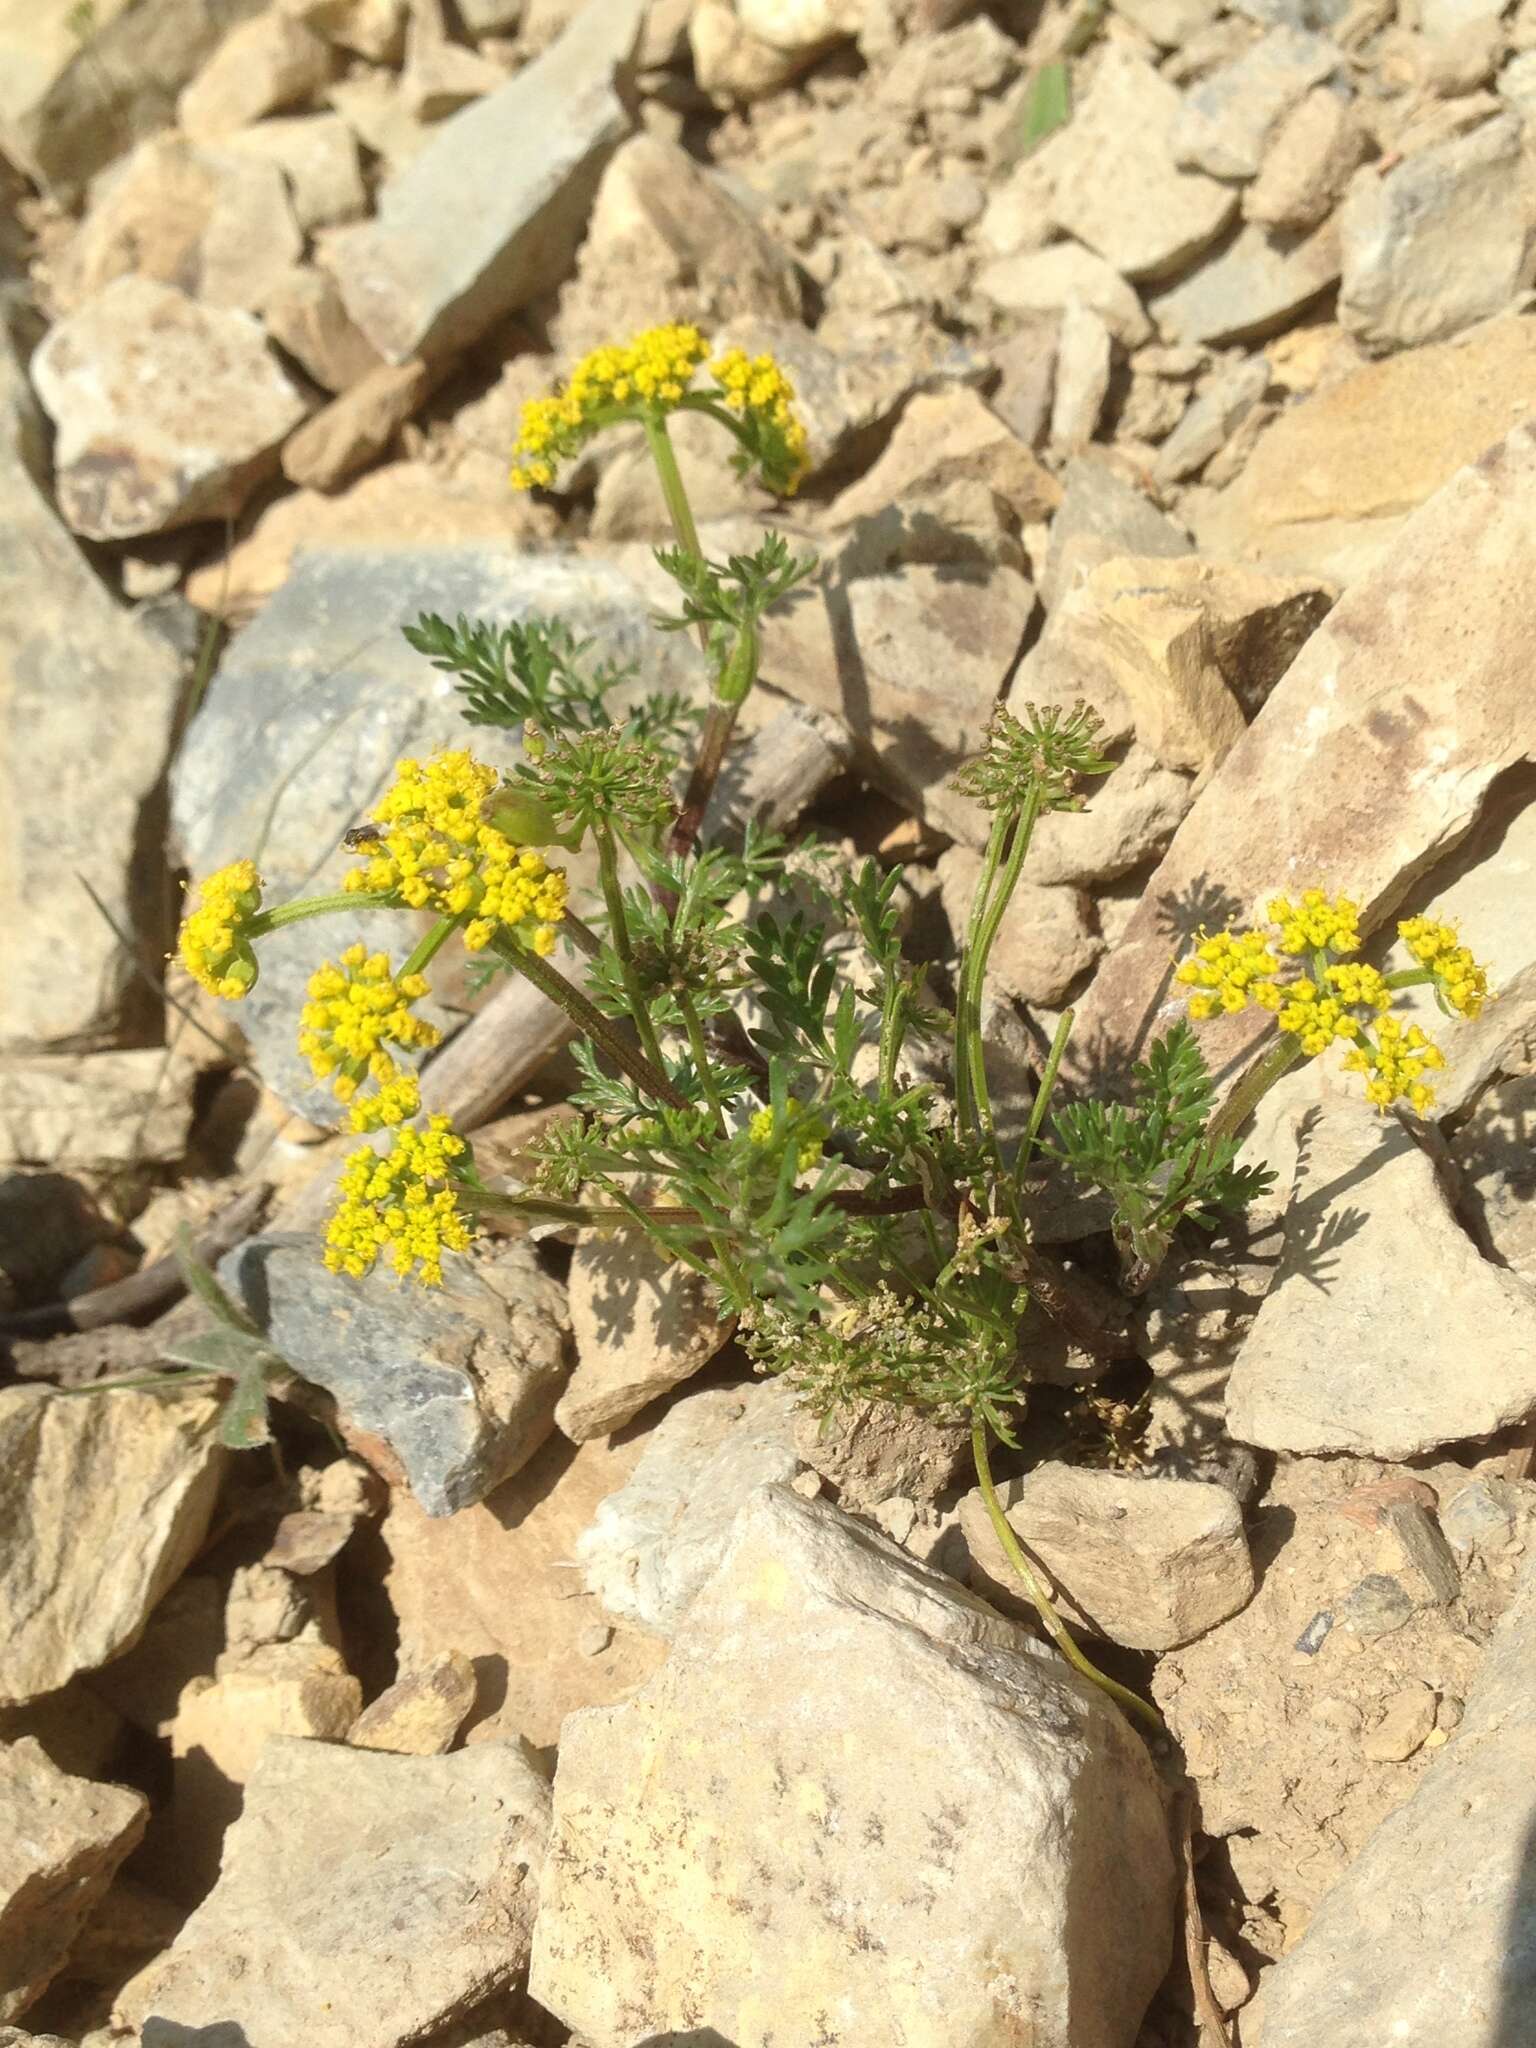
{"x":1042,"y":1099}
{"x":999,"y":894}
{"x":967,"y":1054}
{"x":586,"y":1016}
{"x":1251,"y":1090}
{"x":701,"y":1061}
{"x":618,"y":932}
{"x":1055,"y":1627}
{"x":679,"y":511}
{"x":429,"y":947}
{"x":282,"y":914}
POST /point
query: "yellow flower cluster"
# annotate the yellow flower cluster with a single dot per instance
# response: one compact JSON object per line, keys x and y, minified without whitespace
{"x":652,"y":374}
{"x":1395,"y":1063}
{"x":355,"y":1013}
{"x":763,"y":398}
{"x":214,"y":944}
{"x":436,"y":851}
{"x":1227,"y":969}
{"x":761,"y":1126}
{"x":1458,"y":977}
{"x":654,"y":369}
{"x":1316,"y":924}
{"x":402,"y":1205}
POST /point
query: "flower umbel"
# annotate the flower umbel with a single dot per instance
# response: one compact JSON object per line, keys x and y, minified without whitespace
{"x":650,"y":376}
{"x":436,"y":852}
{"x":214,"y":944}
{"x":355,"y":1013}
{"x":403,"y":1205}
{"x":1339,"y":999}
{"x":1459,"y":980}
{"x":763,"y":1126}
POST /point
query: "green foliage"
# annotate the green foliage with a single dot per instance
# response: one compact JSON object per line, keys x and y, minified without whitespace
{"x":1154,"y":1158}
{"x":533,"y":672}
{"x":1045,"y":754}
{"x":235,"y":1351}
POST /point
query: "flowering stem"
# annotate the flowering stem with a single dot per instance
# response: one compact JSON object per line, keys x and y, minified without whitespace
{"x":1043,"y":1093}
{"x":429,"y":947}
{"x":618,"y":931}
{"x":679,"y":511}
{"x":701,"y":1060}
{"x":282,"y":914}
{"x":994,"y":892}
{"x":1251,"y":1090}
{"x":1055,"y":1627}
{"x":546,"y":1208}
{"x":586,"y":1016}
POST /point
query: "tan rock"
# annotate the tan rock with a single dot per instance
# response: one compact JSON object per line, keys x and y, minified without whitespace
{"x":1046,"y":939}
{"x":1366,"y":1365}
{"x":374,"y":29}
{"x":69,"y":102}
{"x":263,"y":66}
{"x":363,"y":1900}
{"x":499,"y":1583}
{"x":730,"y":63}
{"x":181,"y":1640}
{"x":1310,"y":159}
{"x":373,"y":107}
{"x":103,"y":1504}
{"x":664,"y":229}
{"x":940,"y":439}
{"x":1146,"y":1562}
{"x":1047,"y":280}
{"x":812,"y":1623}
{"x":440,"y":75}
{"x":216,"y":225}
{"x":82,"y":1110}
{"x":403,"y":505}
{"x":1130,"y":814}
{"x":1118,"y":187}
{"x":421,"y":1713}
{"x":168,"y":412}
{"x":303,"y":314}
{"x":1396,"y":715}
{"x":61,"y":1840}
{"x":642,"y":1324}
{"x":317,"y":155}
{"x":874,"y":1450}
{"x":356,"y":428}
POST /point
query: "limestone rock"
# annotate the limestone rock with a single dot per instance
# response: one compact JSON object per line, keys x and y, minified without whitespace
{"x":452,"y":1389}
{"x":1212,"y":419}
{"x":317,"y":155}
{"x":938,"y":440}
{"x":1363,"y":1363}
{"x":304,"y":315}
{"x":1255,"y":286}
{"x":422,"y":1712}
{"x":440,"y":75}
{"x":730,"y":63}
{"x":641,"y":1323}
{"x":810,"y":1624}
{"x":651,"y":1545}
{"x":1118,"y":186}
{"x":873,"y":1451}
{"x":1102,"y":513}
{"x":1047,"y":280}
{"x":499,"y":1583}
{"x":374,"y":29}
{"x":327,"y":653}
{"x":103,"y":1504}
{"x":70,"y":103}
{"x":217,"y":225}
{"x":1398,"y":713}
{"x":1438,"y":243}
{"x":61,"y":1840}
{"x":664,"y":230}
{"x":363,"y":1900}
{"x":1230,"y":116}
{"x":1025,"y":361}
{"x":1130,"y":815}
{"x":90,"y":1110}
{"x":124,"y":688}
{"x":168,"y":412}
{"x":263,"y":66}
{"x":1292,"y":1664}
{"x":356,"y":428}
{"x":1455,"y":1858}
{"x":1493,"y":1151}
{"x":1307,"y":164}
{"x":1147,"y":1562}
{"x":1046,"y":939}
{"x":913,"y":660}
{"x":1084,"y":359}
{"x":487,"y":217}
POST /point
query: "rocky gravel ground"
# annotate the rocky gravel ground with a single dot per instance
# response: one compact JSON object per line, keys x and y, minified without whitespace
{"x":552,"y":1679}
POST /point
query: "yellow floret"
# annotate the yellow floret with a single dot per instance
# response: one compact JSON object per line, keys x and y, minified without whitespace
{"x":1458,"y":977}
{"x":403,"y":1204}
{"x":214,"y":944}
{"x":355,"y":1013}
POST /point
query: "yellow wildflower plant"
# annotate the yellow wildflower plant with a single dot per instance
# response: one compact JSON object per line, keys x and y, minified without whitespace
{"x":762,"y":1127}
{"x":403,"y":1205}
{"x":1339,"y":999}
{"x":650,"y":376}
{"x":435,"y":851}
{"x":357,"y":1010}
{"x":215,"y":942}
